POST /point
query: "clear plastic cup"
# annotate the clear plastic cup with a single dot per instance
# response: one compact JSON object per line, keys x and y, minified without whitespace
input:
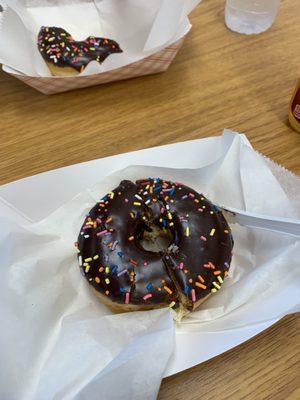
{"x":250,"y":16}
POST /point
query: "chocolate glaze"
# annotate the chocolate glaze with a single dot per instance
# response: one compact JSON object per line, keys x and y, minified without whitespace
{"x":115,"y":263}
{"x":59,"y":48}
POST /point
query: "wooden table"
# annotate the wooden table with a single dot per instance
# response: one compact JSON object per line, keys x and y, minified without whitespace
{"x":219,"y":79}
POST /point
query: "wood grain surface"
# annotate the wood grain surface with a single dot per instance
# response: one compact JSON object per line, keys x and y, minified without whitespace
{"x":219,"y":79}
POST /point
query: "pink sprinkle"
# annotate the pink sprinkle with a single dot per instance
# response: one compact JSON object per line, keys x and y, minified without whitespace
{"x":162,"y":210}
{"x":86,"y":227}
{"x":102,"y":232}
{"x":147,"y":296}
{"x":145,"y":264}
{"x":126,"y":200}
{"x":193,"y":294}
{"x":191,"y":195}
{"x":206,"y":265}
{"x":181,"y":265}
{"x":98,"y":220}
{"x":114,"y":245}
{"x":127,"y":295}
{"x":200,"y":209}
{"x":203,"y":238}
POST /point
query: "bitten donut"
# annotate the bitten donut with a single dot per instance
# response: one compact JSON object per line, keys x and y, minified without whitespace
{"x":66,"y":56}
{"x":154,"y":243}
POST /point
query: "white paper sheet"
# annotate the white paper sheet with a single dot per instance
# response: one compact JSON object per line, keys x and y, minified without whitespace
{"x":44,"y":299}
{"x":141,"y":27}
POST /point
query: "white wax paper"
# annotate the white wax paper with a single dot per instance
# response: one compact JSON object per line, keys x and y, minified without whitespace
{"x":58,"y":342}
{"x":141,"y":27}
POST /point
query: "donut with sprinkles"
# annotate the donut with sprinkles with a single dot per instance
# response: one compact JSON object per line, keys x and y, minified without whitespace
{"x":120,"y":253}
{"x":66,"y":56}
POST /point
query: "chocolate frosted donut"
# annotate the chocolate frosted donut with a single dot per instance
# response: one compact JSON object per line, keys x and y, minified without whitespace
{"x":114,"y":255}
{"x":65,"y":56}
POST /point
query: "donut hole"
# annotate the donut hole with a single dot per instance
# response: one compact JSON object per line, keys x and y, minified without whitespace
{"x":156,"y":239}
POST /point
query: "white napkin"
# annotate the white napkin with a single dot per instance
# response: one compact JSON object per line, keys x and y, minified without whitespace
{"x":141,"y":27}
{"x":58,"y":341}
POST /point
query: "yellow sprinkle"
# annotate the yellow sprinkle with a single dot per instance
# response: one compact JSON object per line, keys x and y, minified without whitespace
{"x":107,"y":281}
{"x":172,"y":304}
{"x":97,"y":279}
{"x":213,"y":290}
{"x":216,"y":285}
{"x":111,"y":195}
{"x":167,"y":289}
{"x":131,"y":238}
{"x":187,"y":231}
{"x":169,"y":215}
{"x":211,"y":212}
{"x":226,"y":231}
{"x":101,"y":269}
{"x":87,"y":268}
{"x":96,"y":257}
{"x":136,"y":203}
{"x":212,"y":232}
{"x":220,"y":279}
{"x":196,"y":201}
{"x":203,"y":206}
{"x":202,"y":198}
{"x":107,"y":270}
{"x":171,"y":223}
{"x":88,"y":259}
{"x":109,"y":219}
{"x":132,"y":215}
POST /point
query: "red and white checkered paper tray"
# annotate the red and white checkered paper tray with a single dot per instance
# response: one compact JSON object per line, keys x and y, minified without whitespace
{"x":153,"y":64}
{"x":150,"y":34}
